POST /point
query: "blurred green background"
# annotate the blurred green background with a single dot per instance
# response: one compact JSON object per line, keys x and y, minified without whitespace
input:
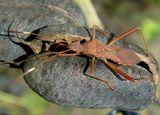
{"x":16,"y":98}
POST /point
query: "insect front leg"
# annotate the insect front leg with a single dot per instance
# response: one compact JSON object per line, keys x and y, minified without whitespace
{"x":95,"y":27}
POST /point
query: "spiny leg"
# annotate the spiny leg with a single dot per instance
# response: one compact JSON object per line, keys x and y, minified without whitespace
{"x":118,"y":71}
{"x":96,"y":78}
{"x":127,"y":33}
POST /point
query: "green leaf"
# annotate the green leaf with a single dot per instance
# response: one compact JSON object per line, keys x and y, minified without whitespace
{"x":150,"y":29}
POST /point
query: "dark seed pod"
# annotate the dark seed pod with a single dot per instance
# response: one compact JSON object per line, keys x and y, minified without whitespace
{"x":60,"y":79}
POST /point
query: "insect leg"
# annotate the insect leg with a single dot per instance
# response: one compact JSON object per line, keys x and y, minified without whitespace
{"x":96,"y":78}
{"x":92,"y":66}
{"x":94,"y":32}
{"x":118,"y":71}
{"x":98,"y":29}
{"x":51,"y":55}
{"x":127,"y":33}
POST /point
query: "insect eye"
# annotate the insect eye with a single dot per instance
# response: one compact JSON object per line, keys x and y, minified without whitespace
{"x":82,"y":41}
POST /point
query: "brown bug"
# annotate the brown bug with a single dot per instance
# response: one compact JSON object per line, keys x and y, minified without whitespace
{"x":97,"y":49}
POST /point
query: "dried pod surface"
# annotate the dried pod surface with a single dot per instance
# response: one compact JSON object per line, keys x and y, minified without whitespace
{"x":61,"y":81}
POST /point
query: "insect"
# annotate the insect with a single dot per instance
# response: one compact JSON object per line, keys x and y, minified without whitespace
{"x":96,"y":49}
{"x":99,"y":50}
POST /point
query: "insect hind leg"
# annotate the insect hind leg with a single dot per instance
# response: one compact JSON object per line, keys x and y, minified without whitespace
{"x":123,"y":74}
{"x":127,"y":33}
